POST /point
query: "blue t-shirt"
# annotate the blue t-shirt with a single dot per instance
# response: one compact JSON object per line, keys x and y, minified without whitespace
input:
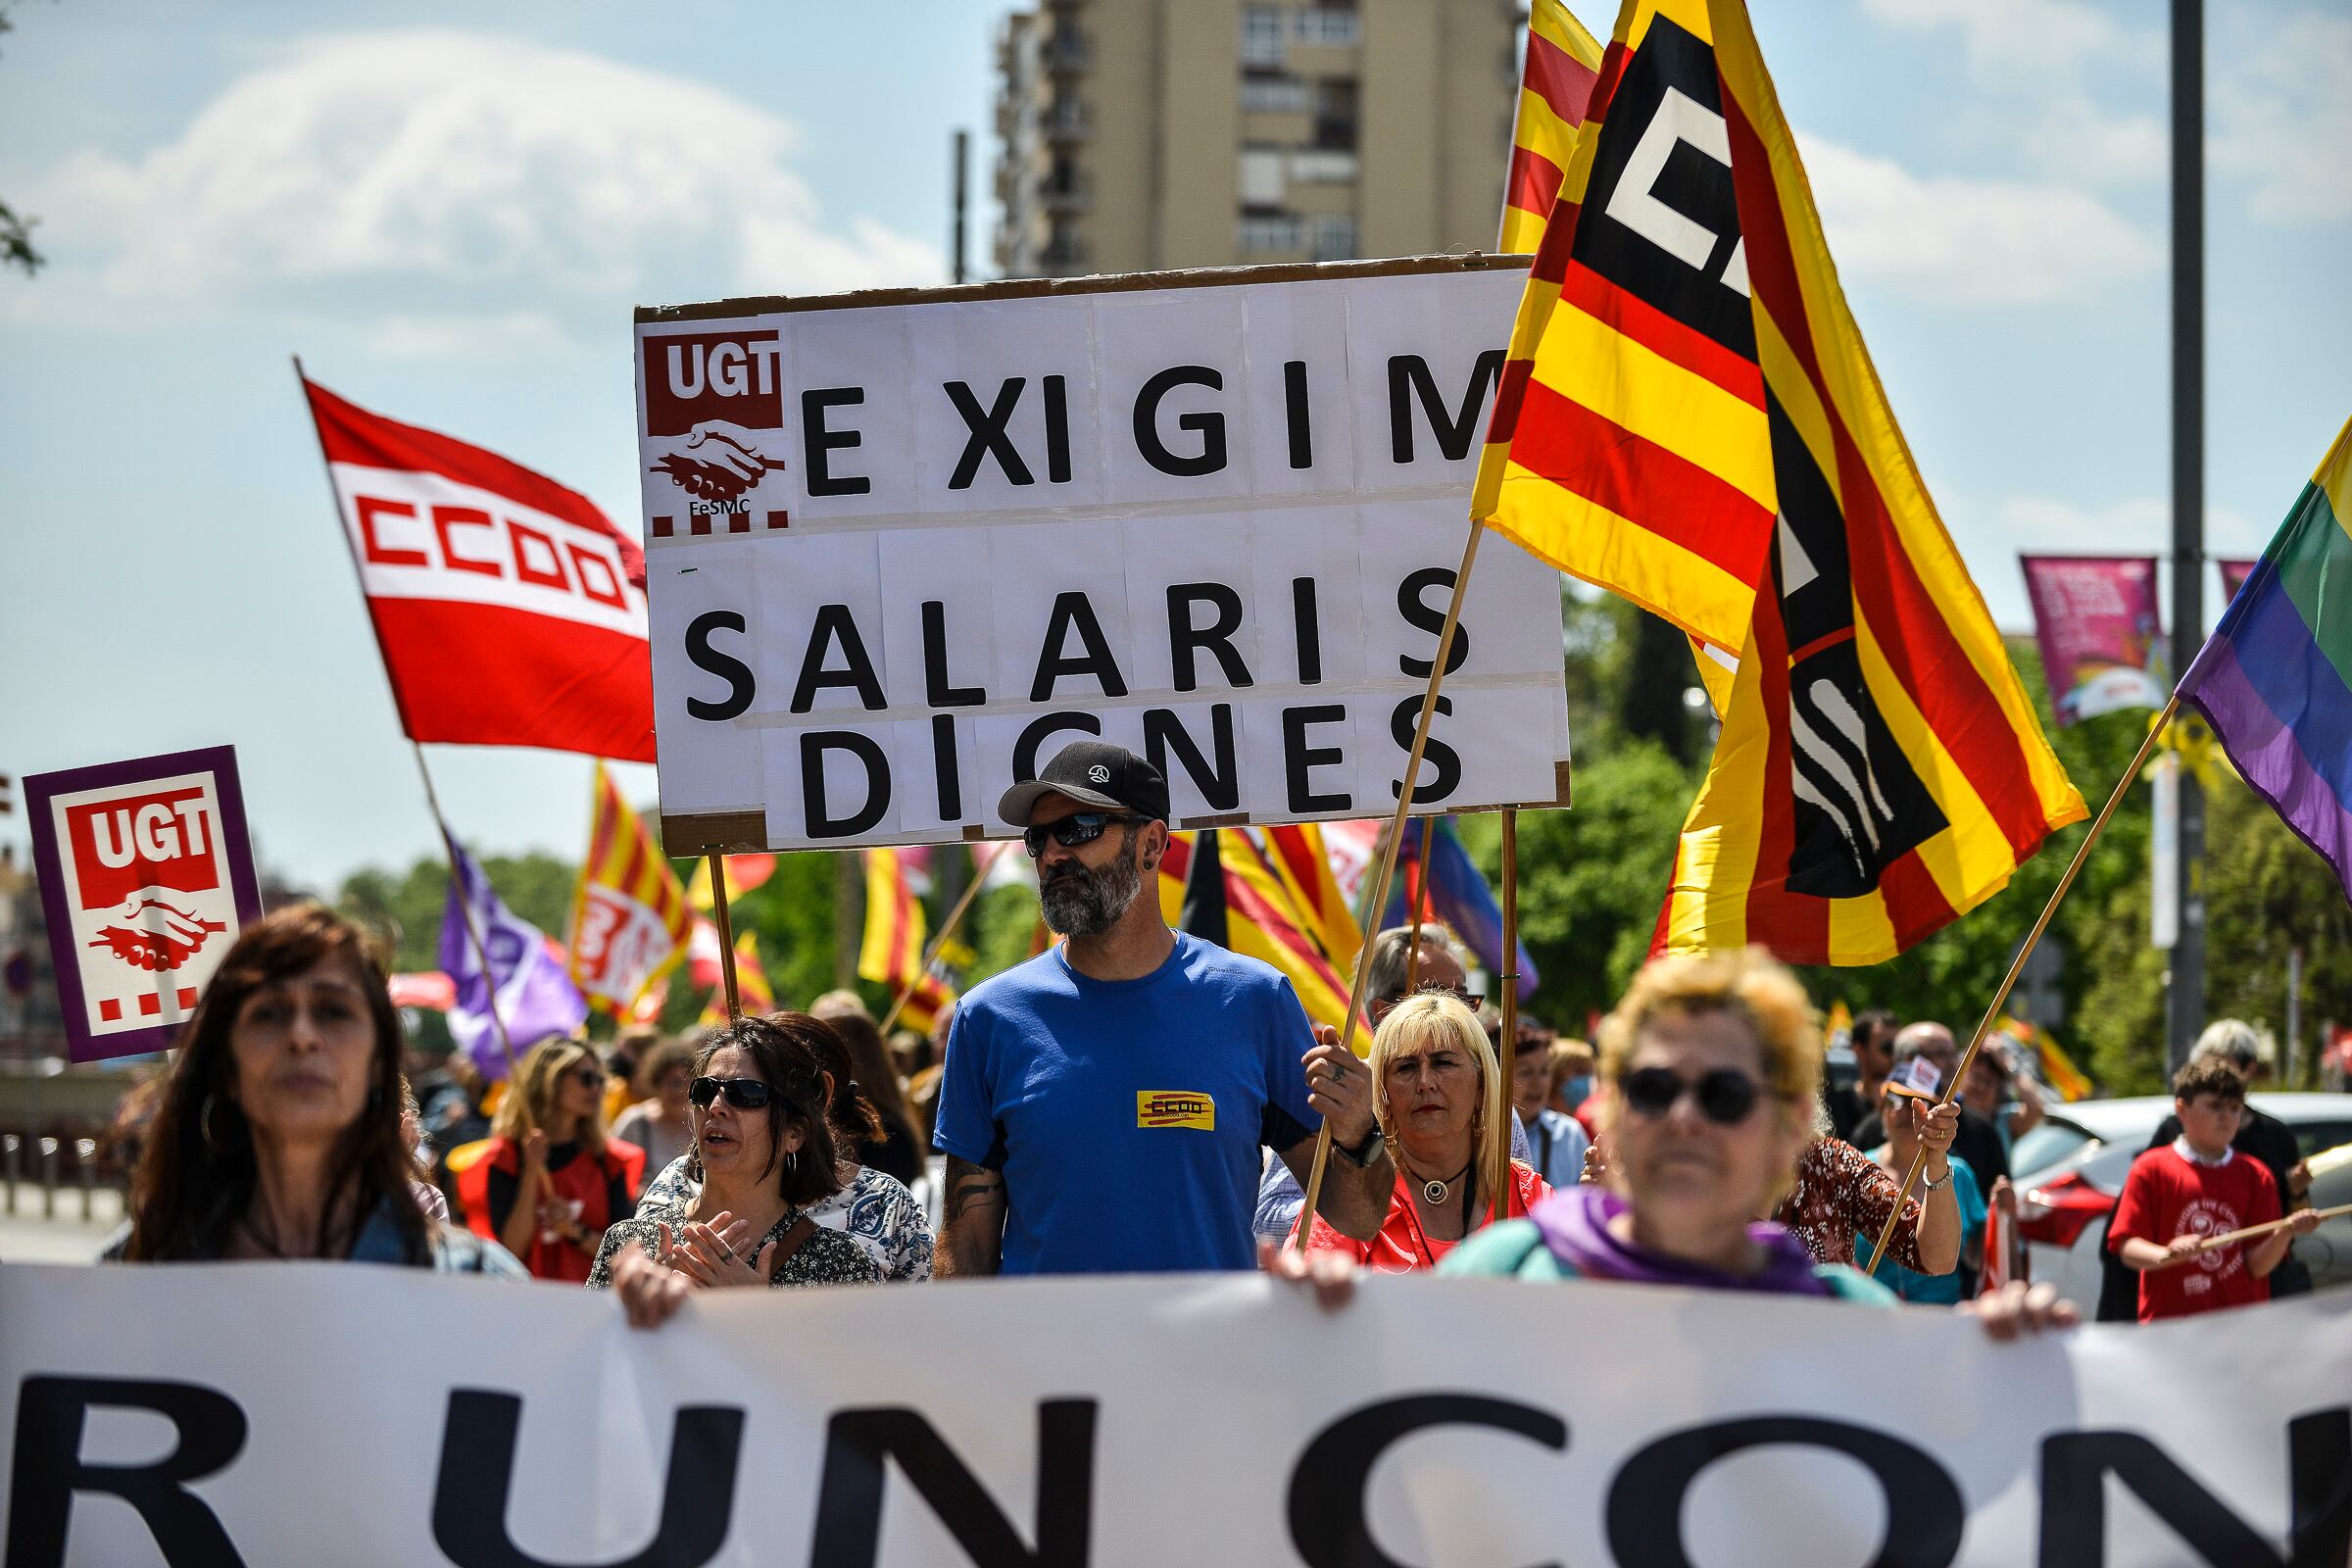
{"x":1126,"y":1115}
{"x":1940,"y":1290}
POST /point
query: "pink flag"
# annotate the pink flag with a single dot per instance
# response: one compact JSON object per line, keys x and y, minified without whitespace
{"x":2096,"y":617}
{"x":2234,"y":575}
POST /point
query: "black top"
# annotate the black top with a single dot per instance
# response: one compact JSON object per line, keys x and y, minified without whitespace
{"x":1848,"y":1110}
{"x":897,"y":1155}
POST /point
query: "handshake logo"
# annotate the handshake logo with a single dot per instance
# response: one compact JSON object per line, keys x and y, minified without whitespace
{"x":713,"y":411}
{"x":717,"y":461}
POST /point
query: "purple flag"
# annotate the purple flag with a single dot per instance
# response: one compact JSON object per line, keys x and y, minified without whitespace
{"x":534,"y":995}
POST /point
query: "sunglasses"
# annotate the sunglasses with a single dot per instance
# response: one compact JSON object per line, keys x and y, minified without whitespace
{"x":1079,"y":827}
{"x":743,"y":1094}
{"x":588,"y":1077}
{"x":1724,"y":1095}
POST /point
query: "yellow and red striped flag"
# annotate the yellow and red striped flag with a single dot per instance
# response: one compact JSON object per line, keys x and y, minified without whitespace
{"x":1298,"y":856}
{"x":1555,"y":85}
{"x":892,"y":952}
{"x":1629,"y":444}
{"x":629,"y":920}
{"x":1252,"y":909}
{"x":1879,"y":770}
{"x":743,"y":873}
{"x":752,"y":990}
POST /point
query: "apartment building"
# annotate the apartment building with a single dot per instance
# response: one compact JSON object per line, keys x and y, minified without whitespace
{"x":1143,"y":134}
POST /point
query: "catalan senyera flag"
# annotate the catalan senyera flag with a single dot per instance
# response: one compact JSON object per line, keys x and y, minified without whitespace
{"x":752,"y":990}
{"x":2276,"y":679}
{"x":629,"y":920}
{"x":743,"y":873}
{"x":1262,"y":917}
{"x":892,"y":952}
{"x":1300,"y":860}
{"x":1629,"y":444}
{"x":1879,"y":770}
{"x":2058,"y":1069}
{"x":1556,"y":87}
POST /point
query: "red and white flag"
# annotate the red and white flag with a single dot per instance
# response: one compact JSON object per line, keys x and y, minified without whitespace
{"x":509,"y":608}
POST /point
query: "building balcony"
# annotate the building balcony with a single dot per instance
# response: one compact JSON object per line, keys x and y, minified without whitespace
{"x":1068,"y":197}
{"x":1063,"y":254}
{"x":1070,"y":121}
{"x":1068,"y":51}
{"x":1335,"y":133}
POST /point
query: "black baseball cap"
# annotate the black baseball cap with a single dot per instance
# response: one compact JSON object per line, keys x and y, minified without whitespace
{"x":1095,"y":773}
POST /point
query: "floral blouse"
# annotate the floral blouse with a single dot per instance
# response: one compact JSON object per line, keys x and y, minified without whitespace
{"x":876,"y":1212}
{"x":1842,"y":1191}
{"x":827,"y":1258}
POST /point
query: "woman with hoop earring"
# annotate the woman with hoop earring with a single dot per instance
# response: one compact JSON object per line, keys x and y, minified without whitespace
{"x":1442,"y":1106}
{"x":762,"y":1152}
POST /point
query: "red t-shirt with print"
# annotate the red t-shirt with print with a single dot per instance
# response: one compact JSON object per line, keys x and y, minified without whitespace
{"x":2168,"y":1195}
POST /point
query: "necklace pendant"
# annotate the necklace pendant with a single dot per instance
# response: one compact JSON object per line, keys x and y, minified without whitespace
{"x":1434,"y":1190}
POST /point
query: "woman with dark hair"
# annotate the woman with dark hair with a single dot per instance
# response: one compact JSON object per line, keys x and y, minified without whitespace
{"x":762,"y":1152}
{"x":872,"y":1209}
{"x":279,"y":1130}
{"x":899,"y":1150}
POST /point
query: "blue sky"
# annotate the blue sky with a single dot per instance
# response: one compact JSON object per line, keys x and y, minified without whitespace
{"x":449,"y":211}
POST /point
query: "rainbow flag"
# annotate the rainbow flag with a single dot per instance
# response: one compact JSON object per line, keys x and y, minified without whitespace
{"x":2276,"y":679}
{"x":1563,"y":62}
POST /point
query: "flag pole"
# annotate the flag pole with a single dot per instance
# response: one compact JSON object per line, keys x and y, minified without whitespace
{"x":2016,"y":966}
{"x":1420,"y":914}
{"x":1387,"y":857}
{"x":458,"y":890}
{"x":2214,"y":1243}
{"x":726,"y":936}
{"x":1508,"y":1047}
{"x":938,"y":940}
{"x":400,"y":708}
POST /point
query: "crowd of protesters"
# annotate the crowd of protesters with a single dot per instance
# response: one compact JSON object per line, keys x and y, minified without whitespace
{"x":1136,"y":1100}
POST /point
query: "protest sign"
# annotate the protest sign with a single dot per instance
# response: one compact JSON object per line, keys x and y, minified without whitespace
{"x":360,"y":1415}
{"x":902,"y":545}
{"x":146,"y":878}
{"x":2095,"y":618}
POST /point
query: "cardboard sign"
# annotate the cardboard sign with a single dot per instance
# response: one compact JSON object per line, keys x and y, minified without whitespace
{"x":146,"y":878}
{"x":902,"y":547}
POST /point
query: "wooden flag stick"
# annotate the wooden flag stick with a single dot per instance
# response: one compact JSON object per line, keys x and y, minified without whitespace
{"x":1388,"y":857}
{"x":726,"y":934}
{"x":1420,"y":914}
{"x":938,"y":940}
{"x":1506,"y":1051}
{"x":2214,"y":1243}
{"x":2017,"y":967}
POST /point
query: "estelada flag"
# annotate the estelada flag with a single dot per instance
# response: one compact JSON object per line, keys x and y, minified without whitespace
{"x":1556,"y":87}
{"x":1250,"y":908}
{"x":510,"y":610}
{"x":1629,"y":444}
{"x":629,"y":920}
{"x":1879,"y":770}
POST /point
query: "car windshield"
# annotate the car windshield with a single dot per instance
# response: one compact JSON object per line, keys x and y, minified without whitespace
{"x":2045,"y":1146}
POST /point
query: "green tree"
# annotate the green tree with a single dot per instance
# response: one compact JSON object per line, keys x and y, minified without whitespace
{"x":16,"y":230}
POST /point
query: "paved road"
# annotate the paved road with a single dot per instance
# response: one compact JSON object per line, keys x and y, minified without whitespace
{"x":26,"y":1238}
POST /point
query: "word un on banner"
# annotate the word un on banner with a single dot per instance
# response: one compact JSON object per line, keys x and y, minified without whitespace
{"x":903,"y":547}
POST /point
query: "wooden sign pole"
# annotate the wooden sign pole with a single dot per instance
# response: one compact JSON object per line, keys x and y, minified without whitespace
{"x":726,"y":934}
{"x":1506,"y":1049}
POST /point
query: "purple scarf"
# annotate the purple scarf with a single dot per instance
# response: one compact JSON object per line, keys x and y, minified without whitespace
{"x":1574,"y":1223}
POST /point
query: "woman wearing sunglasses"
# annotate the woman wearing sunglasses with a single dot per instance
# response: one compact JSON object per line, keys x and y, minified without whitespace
{"x":550,"y":1180}
{"x":763,"y":1154}
{"x":1715,"y":1062}
{"x":1915,"y":1122}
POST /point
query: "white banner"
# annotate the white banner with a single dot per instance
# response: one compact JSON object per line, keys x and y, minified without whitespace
{"x":354,"y":1415}
{"x":901,"y":553}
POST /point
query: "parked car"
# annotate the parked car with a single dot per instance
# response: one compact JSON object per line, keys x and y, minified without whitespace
{"x":2073,"y":1168}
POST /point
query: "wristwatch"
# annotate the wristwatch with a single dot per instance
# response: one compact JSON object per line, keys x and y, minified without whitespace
{"x":1365,"y":1153}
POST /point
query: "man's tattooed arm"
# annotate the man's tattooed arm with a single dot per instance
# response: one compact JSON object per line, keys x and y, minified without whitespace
{"x":971,"y":1235}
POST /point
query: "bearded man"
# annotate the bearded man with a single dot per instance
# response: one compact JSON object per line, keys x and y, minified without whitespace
{"x":1103,"y":1105}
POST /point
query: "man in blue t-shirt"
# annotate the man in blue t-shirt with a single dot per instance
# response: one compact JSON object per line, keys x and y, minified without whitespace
{"x":1103,"y":1105}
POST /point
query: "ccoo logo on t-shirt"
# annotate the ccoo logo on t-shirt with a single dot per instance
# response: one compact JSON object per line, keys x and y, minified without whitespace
{"x":1175,"y":1108}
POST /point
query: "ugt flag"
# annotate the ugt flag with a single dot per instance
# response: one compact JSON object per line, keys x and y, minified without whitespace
{"x":509,"y":608}
{"x":525,"y":979}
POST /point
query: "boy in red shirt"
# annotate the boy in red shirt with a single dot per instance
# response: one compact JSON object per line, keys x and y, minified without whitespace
{"x":2194,"y":1187}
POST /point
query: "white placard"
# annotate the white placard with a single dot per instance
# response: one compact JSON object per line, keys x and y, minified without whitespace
{"x":897,"y":552}
{"x":360,"y":1415}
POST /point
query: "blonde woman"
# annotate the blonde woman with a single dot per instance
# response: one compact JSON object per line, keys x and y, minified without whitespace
{"x":1442,"y":1106}
{"x":551,"y":1180}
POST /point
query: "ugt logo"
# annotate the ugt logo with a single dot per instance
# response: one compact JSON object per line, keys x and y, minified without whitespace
{"x":708,"y":397}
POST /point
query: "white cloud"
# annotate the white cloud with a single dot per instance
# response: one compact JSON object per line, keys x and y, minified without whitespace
{"x":1949,"y":241}
{"x":2037,"y":38}
{"x":448,"y":190}
{"x":2283,"y":120}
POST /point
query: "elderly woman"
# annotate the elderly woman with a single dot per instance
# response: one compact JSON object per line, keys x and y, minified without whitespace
{"x":551,"y":1180}
{"x":872,"y":1209}
{"x":1840,"y":1189}
{"x":762,"y":1154}
{"x":278,"y":1134}
{"x":1441,"y":1110}
{"x":1906,"y":1116}
{"x":1715,"y":1067}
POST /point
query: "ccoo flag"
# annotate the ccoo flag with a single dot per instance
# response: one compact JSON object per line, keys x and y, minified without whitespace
{"x":1879,"y":770}
{"x":1555,"y":89}
{"x":2276,"y":679}
{"x":508,"y":610}
{"x":629,"y":920}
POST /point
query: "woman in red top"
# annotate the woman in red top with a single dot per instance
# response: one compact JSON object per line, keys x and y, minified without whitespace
{"x":1440,"y":1101}
{"x":551,"y":1180}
